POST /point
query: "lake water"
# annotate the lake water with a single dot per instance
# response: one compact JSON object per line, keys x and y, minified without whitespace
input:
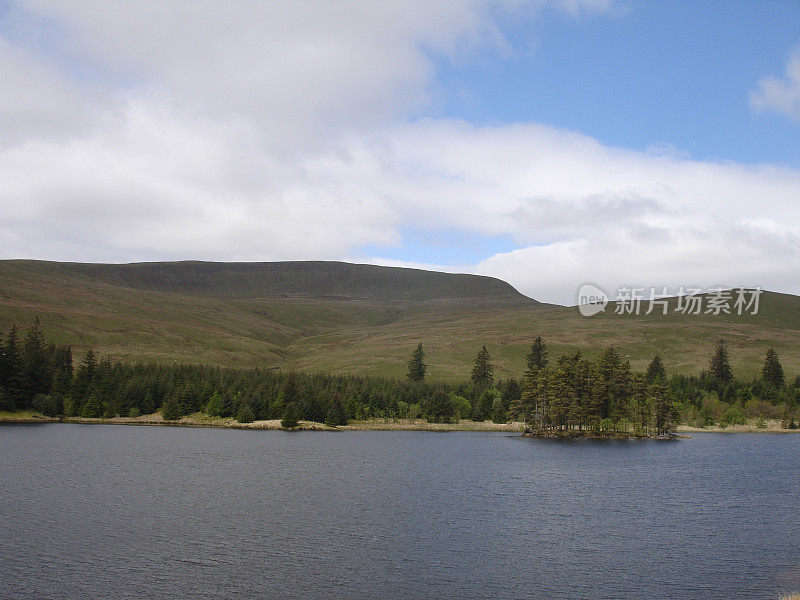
{"x":103,"y":511}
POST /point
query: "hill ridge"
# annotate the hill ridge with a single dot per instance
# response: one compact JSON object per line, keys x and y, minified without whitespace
{"x":310,"y":279}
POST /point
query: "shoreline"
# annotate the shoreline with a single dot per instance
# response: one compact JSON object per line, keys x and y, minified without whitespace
{"x":772,"y":426}
{"x":203,"y":420}
{"x":384,"y":424}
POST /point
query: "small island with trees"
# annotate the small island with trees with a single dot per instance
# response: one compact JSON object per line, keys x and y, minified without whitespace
{"x":571,"y":396}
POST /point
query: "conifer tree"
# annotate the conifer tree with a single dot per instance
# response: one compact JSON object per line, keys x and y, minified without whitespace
{"x":336,"y":415}
{"x":93,"y":407}
{"x":216,"y":405}
{"x":416,"y":366}
{"x":537,"y":357}
{"x":720,"y":366}
{"x":85,"y":376}
{"x":483,"y":370}
{"x":560,"y":397}
{"x":438,"y":407}
{"x":655,"y":370}
{"x":291,"y":416}
{"x":171,"y":409}
{"x":772,"y":372}
{"x":499,"y":414}
{"x":245,"y":414}
{"x":12,"y":360}
{"x":35,"y":376}
{"x":512,"y":398}
{"x":662,"y":407}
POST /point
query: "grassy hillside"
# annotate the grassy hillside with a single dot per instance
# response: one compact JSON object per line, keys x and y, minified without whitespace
{"x":337,"y":317}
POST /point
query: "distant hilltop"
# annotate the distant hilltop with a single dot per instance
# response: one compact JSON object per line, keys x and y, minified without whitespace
{"x":308,"y":279}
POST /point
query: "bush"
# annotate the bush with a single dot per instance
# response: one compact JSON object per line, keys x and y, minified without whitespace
{"x":461,"y":406}
{"x":245,"y":414}
{"x":438,"y":407}
{"x":134,"y":412}
{"x":47,"y":405}
{"x":733,"y":416}
{"x":216,"y":405}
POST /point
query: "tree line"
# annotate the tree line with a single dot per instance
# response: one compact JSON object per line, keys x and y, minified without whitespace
{"x":569,"y":393}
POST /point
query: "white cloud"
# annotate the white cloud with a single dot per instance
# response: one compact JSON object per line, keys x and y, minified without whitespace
{"x":780,"y":95}
{"x":269,"y":131}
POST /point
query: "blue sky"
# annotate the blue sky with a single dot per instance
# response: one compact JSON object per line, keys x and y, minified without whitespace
{"x":650,"y":73}
{"x":549,"y":143}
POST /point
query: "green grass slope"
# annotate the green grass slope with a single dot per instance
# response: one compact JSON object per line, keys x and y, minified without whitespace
{"x":342,"y":318}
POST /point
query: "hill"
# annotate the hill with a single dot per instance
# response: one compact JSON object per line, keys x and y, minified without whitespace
{"x":344,"y":318}
{"x":309,"y":279}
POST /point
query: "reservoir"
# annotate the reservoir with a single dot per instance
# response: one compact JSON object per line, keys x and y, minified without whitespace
{"x":112,"y":512}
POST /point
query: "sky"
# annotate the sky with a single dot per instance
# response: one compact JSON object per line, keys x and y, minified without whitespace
{"x":549,"y":143}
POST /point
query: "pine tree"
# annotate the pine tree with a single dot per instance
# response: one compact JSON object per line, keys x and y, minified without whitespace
{"x":93,"y":408}
{"x":772,"y":373}
{"x":291,"y":416}
{"x":245,"y":414}
{"x":13,"y":376}
{"x":662,"y":407}
{"x":537,"y":357}
{"x":720,"y":366}
{"x":171,"y":409}
{"x":85,"y":376}
{"x":483,"y":371}
{"x":499,"y":414}
{"x":335,"y":415}
{"x":655,"y":370}
{"x":35,"y":376}
{"x":512,"y":398}
{"x":614,"y":374}
{"x":560,"y":397}
{"x":416,"y":366}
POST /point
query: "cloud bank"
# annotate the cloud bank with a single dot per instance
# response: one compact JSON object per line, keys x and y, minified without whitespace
{"x":266,"y":131}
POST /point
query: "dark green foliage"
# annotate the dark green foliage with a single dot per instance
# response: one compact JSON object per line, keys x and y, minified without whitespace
{"x":499,"y":414}
{"x":171,"y":409}
{"x":573,"y":393}
{"x":84,"y":381}
{"x":484,"y":405}
{"x":483,"y":370}
{"x":733,"y":416}
{"x":336,"y":415}
{"x":291,"y":416}
{"x":537,"y":357}
{"x":245,"y":414}
{"x":438,"y":408}
{"x":92,"y":408}
{"x":510,"y":391}
{"x":11,"y":377}
{"x":662,"y":407}
{"x":216,"y":405}
{"x":772,"y":373}
{"x":417,"y":366}
{"x":47,"y":405}
{"x":655,"y":370}
{"x":720,"y":366}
